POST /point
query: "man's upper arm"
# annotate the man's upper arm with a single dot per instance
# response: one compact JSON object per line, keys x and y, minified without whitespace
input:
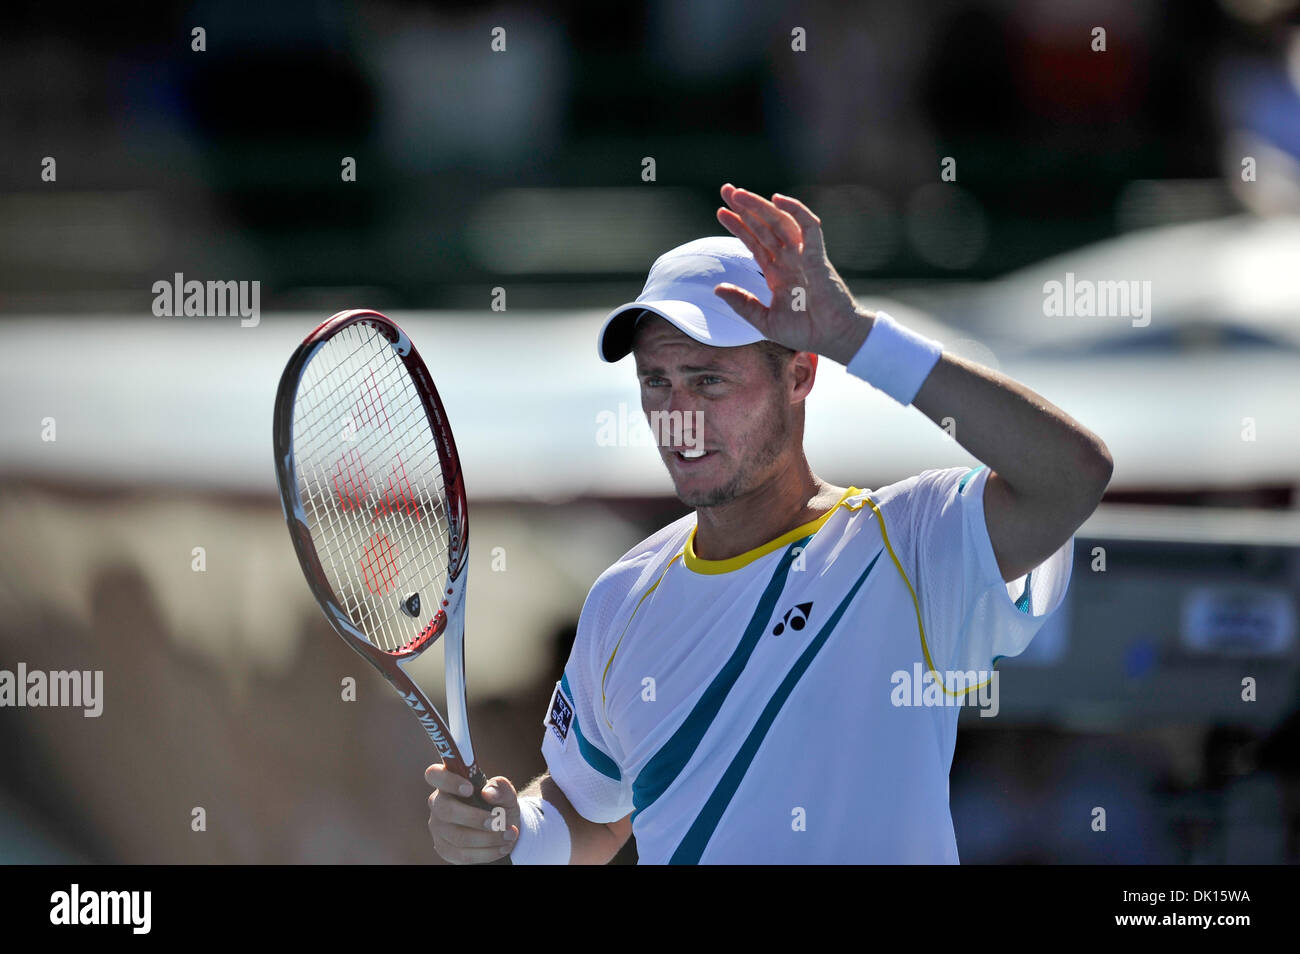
{"x":581,"y":754}
{"x":1024,"y":532}
{"x":590,"y":843}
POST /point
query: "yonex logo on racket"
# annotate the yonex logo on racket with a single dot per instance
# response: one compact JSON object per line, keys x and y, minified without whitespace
{"x":430,"y":724}
{"x":350,"y":481}
{"x":398,"y":497}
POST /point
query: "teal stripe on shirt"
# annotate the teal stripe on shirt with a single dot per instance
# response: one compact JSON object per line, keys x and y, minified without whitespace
{"x":666,"y":764}
{"x":1022,"y":604}
{"x":971,"y":473}
{"x":697,"y":838}
{"x":597,"y":759}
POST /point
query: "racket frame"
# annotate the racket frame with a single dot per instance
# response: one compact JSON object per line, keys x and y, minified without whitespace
{"x":451,"y":736}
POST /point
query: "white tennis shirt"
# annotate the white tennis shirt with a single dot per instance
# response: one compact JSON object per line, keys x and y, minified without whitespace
{"x":749,"y":710}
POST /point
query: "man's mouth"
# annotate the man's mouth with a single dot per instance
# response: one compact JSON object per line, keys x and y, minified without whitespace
{"x":691,"y":455}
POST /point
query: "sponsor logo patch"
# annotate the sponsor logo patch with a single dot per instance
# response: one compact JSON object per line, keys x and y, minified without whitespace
{"x":560,"y":717}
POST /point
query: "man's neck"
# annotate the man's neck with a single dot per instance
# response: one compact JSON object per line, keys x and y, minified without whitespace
{"x":790,"y":499}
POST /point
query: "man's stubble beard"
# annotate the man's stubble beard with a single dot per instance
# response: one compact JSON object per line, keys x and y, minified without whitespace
{"x":771,"y":442}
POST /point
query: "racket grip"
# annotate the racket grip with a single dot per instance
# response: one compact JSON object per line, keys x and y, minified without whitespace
{"x":478,"y":780}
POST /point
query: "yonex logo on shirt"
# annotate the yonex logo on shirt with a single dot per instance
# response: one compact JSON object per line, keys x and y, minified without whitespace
{"x":796,"y":618}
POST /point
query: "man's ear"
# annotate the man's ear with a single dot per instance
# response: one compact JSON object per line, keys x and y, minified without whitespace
{"x":804,"y":365}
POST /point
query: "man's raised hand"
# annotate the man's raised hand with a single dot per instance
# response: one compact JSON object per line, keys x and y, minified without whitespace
{"x":811,"y":308}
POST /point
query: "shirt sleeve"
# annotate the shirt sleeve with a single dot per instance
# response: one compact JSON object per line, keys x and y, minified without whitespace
{"x":582,"y":759}
{"x":970,"y":615}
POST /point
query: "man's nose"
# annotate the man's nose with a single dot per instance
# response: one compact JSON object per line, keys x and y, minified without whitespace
{"x":679,"y":423}
{"x":682,"y":399}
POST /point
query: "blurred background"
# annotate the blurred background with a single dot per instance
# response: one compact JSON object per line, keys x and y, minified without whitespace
{"x":496,"y":178}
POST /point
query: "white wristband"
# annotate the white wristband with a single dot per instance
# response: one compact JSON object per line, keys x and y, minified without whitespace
{"x":895,"y":359}
{"x":543,"y":834}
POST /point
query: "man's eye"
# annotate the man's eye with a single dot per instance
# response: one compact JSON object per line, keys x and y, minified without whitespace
{"x":710,"y":379}
{"x":655,"y":382}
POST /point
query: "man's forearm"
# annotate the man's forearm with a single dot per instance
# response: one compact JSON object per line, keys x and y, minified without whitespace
{"x":592,"y":843}
{"x":1038,"y":449}
{"x":1034,"y":446}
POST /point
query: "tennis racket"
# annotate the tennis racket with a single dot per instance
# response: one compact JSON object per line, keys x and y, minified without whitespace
{"x":372,"y":491}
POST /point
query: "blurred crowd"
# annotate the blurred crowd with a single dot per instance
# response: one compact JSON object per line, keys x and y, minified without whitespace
{"x":509,"y":141}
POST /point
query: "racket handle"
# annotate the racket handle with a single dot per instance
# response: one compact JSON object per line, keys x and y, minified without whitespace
{"x":478,"y":780}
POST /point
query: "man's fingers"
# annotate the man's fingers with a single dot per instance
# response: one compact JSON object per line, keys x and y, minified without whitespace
{"x":809,"y":224}
{"x":500,"y":792}
{"x":796,"y":209}
{"x":445,"y":780}
{"x":741,"y":205}
{"x":776,"y":227}
{"x":465,"y":833}
{"x":737,"y":227}
{"x":744,"y":304}
{"x":469,"y":856}
{"x":468,"y":838}
{"x":452,"y":811}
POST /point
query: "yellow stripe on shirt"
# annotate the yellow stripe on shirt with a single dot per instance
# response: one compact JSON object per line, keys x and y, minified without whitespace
{"x":700,"y":565}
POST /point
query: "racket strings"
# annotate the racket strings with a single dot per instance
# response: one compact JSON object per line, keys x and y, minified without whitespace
{"x":371,"y":484}
{"x":384,"y":561}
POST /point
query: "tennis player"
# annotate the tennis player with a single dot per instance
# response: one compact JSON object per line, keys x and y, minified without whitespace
{"x":743,"y":686}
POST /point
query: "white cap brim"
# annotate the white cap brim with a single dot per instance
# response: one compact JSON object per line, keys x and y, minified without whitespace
{"x":679,"y":289}
{"x":710,"y":328}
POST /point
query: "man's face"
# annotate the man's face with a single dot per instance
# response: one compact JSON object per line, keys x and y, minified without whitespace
{"x":725,"y":402}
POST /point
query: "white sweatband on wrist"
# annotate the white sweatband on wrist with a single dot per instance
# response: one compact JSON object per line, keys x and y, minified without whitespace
{"x":543,"y":834}
{"x":895,"y":359}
